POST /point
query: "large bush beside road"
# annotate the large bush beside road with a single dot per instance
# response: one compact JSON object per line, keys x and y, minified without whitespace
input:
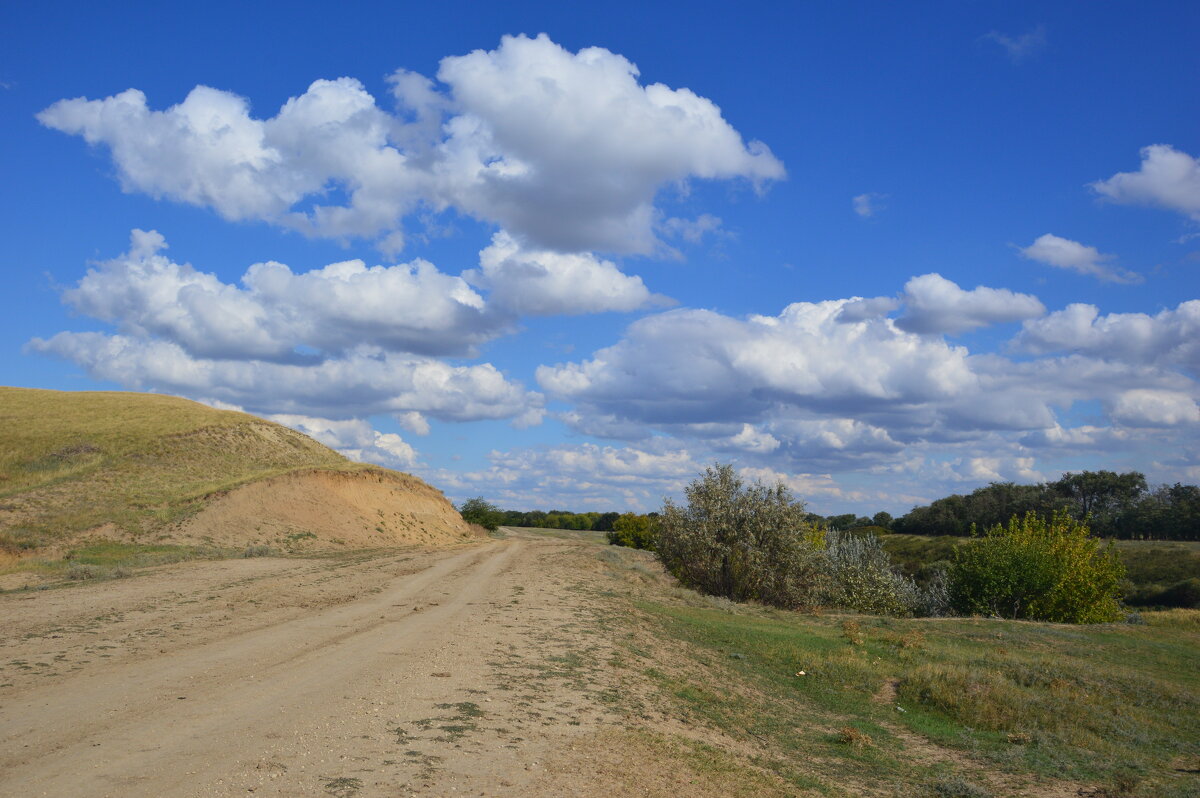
{"x":751,"y":542}
{"x":754,"y":542}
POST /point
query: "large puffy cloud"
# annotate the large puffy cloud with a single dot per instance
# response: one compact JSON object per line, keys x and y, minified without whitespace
{"x":363,"y":382}
{"x":208,"y":150}
{"x":1063,"y":253}
{"x":542,"y":282}
{"x":570,"y":150}
{"x":408,"y":308}
{"x":565,"y":150}
{"x":1167,"y":178}
{"x":820,"y":389}
{"x":934,"y":304}
{"x":1170,"y":337}
{"x":696,"y":365}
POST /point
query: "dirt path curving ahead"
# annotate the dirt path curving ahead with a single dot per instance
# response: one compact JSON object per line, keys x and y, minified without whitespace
{"x":396,"y":673}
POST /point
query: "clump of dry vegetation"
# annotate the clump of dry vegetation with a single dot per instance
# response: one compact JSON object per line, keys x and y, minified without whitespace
{"x":751,"y":542}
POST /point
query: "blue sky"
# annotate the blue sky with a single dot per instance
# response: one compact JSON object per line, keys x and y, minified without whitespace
{"x":566,"y":255}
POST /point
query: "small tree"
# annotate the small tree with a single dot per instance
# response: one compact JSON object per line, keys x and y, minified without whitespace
{"x":1038,"y":569}
{"x":479,"y":511}
{"x":634,"y":531}
{"x":741,"y":541}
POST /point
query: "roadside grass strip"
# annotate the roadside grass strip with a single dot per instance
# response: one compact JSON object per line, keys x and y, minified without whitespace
{"x":1116,"y":705}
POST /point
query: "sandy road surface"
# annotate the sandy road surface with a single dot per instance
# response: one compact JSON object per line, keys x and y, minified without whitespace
{"x":451,"y":672}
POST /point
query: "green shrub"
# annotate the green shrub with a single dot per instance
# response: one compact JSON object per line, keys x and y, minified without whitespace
{"x":484,"y":513}
{"x":635,"y":531}
{"x":1038,"y":569}
{"x":862,"y":577}
{"x":743,"y":542}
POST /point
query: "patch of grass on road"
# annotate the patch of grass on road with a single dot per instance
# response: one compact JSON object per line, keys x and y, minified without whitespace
{"x":110,"y":560}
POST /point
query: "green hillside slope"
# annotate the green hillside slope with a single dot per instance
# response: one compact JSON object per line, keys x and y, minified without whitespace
{"x":74,"y":461}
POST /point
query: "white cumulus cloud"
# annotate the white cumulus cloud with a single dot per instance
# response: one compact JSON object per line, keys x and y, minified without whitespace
{"x":699,"y":366}
{"x":569,"y":149}
{"x":1170,"y":337}
{"x":1167,"y":178}
{"x":408,"y":308}
{"x":565,"y":150}
{"x":533,"y":282}
{"x":934,"y":304}
{"x":810,"y":390}
{"x":1063,"y":253}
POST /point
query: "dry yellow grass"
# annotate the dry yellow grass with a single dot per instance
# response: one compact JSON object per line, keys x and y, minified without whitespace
{"x":70,"y":461}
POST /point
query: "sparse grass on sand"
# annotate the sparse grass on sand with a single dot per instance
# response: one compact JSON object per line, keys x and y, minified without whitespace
{"x":72,"y":461}
{"x":104,"y":559}
{"x":938,"y":707}
{"x":1096,"y":704}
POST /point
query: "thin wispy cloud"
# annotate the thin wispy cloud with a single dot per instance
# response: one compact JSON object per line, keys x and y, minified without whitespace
{"x":869,"y":204}
{"x":1020,"y":48}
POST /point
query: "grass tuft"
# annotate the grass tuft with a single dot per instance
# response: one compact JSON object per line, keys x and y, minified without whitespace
{"x":957,"y":787}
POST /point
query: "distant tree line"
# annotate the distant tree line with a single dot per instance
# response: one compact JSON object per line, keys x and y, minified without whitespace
{"x":482,"y":512}
{"x":1114,"y":505}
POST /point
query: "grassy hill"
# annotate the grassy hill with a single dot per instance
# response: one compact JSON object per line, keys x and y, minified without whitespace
{"x":71,"y":462}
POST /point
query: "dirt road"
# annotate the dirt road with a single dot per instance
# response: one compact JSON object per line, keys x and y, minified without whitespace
{"x":431,"y":672}
{"x":531,"y":666}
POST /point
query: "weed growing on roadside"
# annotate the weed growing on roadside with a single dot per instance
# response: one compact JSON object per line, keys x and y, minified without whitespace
{"x":343,"y":786}
{"x":956,"y":787}
{"x":852,"y":737}
{"x":852,"y":631}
